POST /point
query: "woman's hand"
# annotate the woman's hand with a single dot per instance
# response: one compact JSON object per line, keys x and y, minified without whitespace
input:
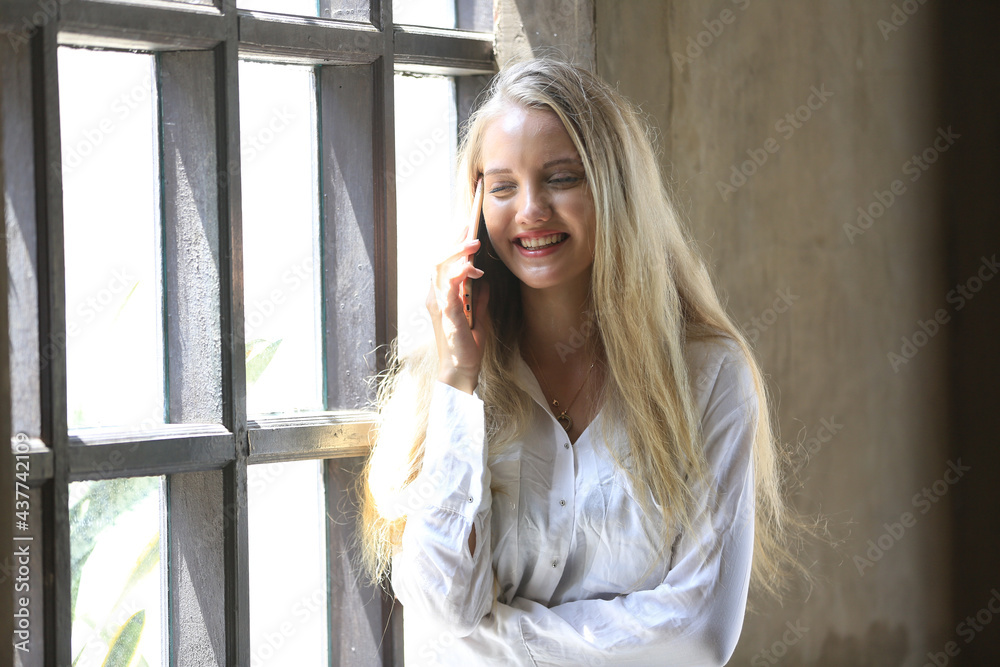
{"x":460,"y":349}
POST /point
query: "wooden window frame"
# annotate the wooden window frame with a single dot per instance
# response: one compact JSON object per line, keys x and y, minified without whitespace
{"x":210,"y":439}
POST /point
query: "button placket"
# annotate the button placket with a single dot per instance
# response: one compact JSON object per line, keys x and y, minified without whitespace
{"x":563,"y":484}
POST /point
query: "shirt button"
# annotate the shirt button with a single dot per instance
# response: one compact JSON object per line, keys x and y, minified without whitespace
{"x":563,"y":503}
{"x":565,"y":445}
{"x":555,"y":563}
{"x":470,"y":499}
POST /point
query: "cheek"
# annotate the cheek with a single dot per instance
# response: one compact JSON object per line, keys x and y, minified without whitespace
{"x":494,"y":218}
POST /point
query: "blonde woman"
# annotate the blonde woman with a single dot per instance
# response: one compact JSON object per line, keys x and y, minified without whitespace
{"x":587,"y":476}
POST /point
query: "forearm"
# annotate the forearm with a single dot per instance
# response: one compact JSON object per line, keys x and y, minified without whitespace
{"x":443,"y":565}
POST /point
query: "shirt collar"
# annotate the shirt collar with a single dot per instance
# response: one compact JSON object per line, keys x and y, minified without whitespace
{"x":527,"y":380}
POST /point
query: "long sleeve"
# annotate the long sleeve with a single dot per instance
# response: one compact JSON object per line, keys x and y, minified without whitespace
{"x":694,"y":617}
{"x":433,"y":572}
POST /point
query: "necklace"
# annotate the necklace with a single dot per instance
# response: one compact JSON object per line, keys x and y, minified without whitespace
{"x":562,"y":416}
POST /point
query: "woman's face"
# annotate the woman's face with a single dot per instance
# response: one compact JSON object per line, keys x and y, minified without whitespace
{"x":538,"y":207}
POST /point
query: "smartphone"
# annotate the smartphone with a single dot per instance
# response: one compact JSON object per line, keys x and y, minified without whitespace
{"x":477,"y":214}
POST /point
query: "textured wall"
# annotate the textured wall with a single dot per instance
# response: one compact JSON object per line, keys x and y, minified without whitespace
{"x":779,"y":120}
{"x":557,"y":28}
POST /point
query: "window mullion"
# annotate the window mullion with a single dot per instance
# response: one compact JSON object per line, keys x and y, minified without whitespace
{"x":192,"y":266}
{"x":359,"y":613}
{"x":467,"y":91}
{"x":234,"y":478}
{"x":28,"y":358}
{"x":52,"y":329}
{"x":191,"y":240}
{"x":386,"y":325}
{"x":348,"y":117}
{"x":384,"y":157}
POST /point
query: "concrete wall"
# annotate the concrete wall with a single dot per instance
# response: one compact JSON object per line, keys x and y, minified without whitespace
{"x":777,"y":121}
{"x":556,"y":28}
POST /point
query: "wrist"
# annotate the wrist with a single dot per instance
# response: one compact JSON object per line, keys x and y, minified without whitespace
{"x":459,"y":380}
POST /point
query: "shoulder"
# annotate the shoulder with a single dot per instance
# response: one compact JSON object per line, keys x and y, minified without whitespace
{"x":721,"y":376}
{"x":726,"y":398}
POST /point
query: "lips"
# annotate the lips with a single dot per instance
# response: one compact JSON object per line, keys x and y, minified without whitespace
{"x":541,"y":242}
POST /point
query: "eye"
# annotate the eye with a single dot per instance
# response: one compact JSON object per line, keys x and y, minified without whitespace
{"x":500,"y":188}
{"x":565,"y":179}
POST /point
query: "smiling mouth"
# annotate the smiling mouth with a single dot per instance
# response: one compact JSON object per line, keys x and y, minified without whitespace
{"x":542,"y":241}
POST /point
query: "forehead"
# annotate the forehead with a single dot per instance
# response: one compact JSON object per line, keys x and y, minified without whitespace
{"x":517,"y":130}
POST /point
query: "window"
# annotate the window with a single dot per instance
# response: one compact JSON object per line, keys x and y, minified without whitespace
{"x":201,"y":245}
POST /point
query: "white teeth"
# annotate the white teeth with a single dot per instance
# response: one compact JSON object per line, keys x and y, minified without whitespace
{"x":542,"y":242}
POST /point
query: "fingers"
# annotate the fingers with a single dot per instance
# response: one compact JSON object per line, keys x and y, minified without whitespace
{"x":455,"y":268}
{"x":459,"y":346}
{"x":447,"y":300}
{"x":463,"y":250}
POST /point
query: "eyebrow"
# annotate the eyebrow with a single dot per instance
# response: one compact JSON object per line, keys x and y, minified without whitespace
{"x":550,"y":163}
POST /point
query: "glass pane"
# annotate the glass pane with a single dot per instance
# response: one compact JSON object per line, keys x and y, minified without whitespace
{"x":426,"y":138}
{"x":284,"y":362}
{"x":288,"y":572}
{"x":475,"y":15}
{"x":432,"y":13}
{"x":116,"y":570}
{"x":114,"y":345}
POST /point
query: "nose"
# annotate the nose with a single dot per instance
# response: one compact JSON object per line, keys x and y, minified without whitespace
{"x":533,"y":205}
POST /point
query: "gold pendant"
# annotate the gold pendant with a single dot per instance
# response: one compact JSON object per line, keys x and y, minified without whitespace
{"x":565,"y":421}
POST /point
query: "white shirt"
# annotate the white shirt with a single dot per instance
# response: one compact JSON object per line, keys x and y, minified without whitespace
{"x":582,"y":576}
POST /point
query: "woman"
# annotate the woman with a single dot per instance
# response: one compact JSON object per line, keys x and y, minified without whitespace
{"x":588,"y":475}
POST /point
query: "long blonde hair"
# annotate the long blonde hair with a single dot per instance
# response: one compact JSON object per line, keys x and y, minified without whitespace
{"x":641,"y":251}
